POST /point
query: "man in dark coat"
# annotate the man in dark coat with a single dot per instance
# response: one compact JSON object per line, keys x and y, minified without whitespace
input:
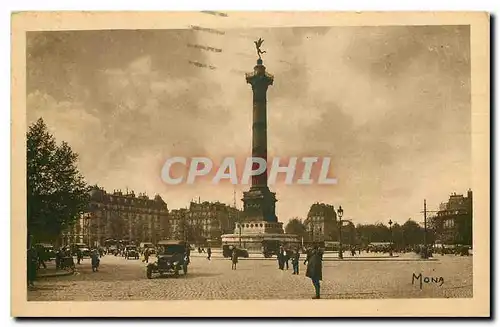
{"x":209,"y":253}
{"x":314,"y":269}
{"x":32,"y":266}
{"x":286,"y":258}
{"x":281,"y":258}
{"x":79,"y":256}
{"x":295,"y":262}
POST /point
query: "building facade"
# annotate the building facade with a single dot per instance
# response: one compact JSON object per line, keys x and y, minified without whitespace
{"x":321,"y":223}
{"x":203,"y":223}
{"x":120,"y":216}
{"x":453,"y":222}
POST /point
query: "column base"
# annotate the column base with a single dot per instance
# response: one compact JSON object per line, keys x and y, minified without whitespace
{"x":259,"y":204}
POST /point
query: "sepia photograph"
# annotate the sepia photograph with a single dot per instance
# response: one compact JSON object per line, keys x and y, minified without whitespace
{"x":315,"y":158}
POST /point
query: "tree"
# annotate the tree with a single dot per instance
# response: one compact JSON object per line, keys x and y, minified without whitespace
{"x":56,"y":192}
{"x":297,"y":227}
{"x":412,"y":233}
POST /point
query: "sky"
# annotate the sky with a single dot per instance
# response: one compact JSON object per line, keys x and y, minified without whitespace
{"x":389,"y":105}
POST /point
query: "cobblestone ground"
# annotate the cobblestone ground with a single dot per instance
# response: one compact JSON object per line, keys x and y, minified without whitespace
{"x":121,"y":279}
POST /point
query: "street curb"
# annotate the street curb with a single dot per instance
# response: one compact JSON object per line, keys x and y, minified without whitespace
{"x":67,"y":273}
{"x":394,"y":259}
{"x":386,"y":260}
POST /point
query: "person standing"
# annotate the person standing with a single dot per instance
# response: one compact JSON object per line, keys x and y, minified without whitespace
{"x":146,"y":255}
{"x":209,"y":253}
{"x":41,"y":258}
{"x":188,"y":253}
{"x":32,"y":265}
{"x":95,"y":260}
{"x":281,"y":258}
{"x":59,"y":256}
{"x":295,"y":262}
{"x":286,"y":258}
{"x":314,"y":269}
{"x":79,"y":256}
{"x":234,"y":259}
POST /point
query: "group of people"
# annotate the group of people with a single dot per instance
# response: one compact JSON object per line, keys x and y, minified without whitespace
{"x":36,"y":259}
{"x":314,"y":262}
{"x":284,"y":256}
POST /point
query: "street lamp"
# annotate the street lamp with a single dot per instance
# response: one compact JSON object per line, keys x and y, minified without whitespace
{"x":238,"y":217}
{"x":390,"y":231}
{"x":340,"y":213}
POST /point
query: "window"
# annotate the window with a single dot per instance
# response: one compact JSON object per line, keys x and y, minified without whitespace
{"x":449,"y":223}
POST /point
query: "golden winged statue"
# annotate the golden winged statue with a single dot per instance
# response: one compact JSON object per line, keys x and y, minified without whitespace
{"x":258,"y":44}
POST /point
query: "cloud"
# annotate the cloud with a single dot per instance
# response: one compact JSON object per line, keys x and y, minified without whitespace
{"x":390,"y":105}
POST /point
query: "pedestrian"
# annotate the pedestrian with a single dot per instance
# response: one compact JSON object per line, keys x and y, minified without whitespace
{"x":41,"y":258}
{"x":286,"y":258}
{"x":79,"y":256}
{"x":32,"y":265}
{"x":281,"y":258}
{"x":95,"y":260}
{"x":188,"y":253}
{"x":59,"y":257}
{"x":353,"y":251}
{"x":209,"y":253}
{"x":314,"y":269}
{"x":146,"y":255}
{"x":295,"y":262}
{"x":234,"y":259}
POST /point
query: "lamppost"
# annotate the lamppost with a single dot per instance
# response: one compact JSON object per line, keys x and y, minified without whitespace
{"x":239,"y":224}
{"x":340,"y":213}
{"x":390,"y":231}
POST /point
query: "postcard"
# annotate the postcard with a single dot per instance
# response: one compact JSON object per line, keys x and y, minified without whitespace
{"x":208,"y":164}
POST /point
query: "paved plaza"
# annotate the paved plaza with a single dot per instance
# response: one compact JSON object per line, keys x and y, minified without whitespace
{"x":259,"y":278}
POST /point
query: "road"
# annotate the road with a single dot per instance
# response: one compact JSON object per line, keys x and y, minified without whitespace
{"x":121,"y":279}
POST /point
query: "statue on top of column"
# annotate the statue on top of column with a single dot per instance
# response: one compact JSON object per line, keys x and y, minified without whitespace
{"x":258,"y":44}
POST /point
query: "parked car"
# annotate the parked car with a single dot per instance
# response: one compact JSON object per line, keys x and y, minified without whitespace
{"x":77,"y":246}
{"x":227,"y":251}
{"x":171,"y":257}
{"x":131,"y":252}
{"x":46,"y":251}
{"x":85,"y":252}
{"x":145,"y":245}
{"x":462,"y":250}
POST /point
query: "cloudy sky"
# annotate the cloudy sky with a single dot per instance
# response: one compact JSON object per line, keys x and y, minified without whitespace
{"x":389,"y":105}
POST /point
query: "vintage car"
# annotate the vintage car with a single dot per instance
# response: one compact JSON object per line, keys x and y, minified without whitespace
{"x":462,"y":250}
{"x":74,"y":248}
{"x":227,"y":251}
{"x":46,"y":251}
{"x":85,"y":252}
{"x":171,"y":257}
{"x":131,"y":252}
{"x":145,"y":245}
